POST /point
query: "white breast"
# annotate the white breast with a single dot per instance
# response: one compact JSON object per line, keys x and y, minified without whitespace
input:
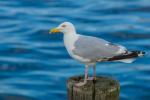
{"x":69,"y":41}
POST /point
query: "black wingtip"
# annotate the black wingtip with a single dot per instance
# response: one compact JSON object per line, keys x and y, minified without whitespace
{"x":143,"y":52}
{"x":128,"y":55}
{"x":139,"y":53}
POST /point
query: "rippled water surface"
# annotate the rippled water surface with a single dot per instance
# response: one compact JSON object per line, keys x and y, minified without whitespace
{"x":35,"y":65}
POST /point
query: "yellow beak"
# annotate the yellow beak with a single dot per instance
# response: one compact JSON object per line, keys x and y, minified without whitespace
{"x":54,"y":30}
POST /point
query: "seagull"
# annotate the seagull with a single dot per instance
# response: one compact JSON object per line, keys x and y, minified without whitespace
{"x":89,"y":50}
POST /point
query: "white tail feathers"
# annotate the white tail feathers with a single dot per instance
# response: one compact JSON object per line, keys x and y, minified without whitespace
{"x":127,"y":60}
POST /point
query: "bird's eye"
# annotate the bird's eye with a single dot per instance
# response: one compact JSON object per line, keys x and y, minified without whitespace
{"x":63,"y":26}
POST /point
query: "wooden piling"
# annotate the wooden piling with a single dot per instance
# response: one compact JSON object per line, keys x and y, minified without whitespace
{"x":103,"y":88}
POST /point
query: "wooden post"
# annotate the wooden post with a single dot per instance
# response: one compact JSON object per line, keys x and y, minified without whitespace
{"x":103,"y":88}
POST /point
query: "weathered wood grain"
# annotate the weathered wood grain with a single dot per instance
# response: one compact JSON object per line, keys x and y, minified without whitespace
{"x":103,"y":88}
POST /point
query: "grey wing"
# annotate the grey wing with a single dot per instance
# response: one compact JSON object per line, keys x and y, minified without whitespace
{"x":95,"y":48}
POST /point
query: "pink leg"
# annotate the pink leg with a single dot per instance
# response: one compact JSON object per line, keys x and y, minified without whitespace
{"x":94,"y":73}
{"x":85,"y":77}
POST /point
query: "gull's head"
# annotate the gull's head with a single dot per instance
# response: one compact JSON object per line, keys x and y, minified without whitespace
{"x":65,"y":27}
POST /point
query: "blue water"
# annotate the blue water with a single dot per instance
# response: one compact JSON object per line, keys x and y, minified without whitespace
{"x":34,"y":65}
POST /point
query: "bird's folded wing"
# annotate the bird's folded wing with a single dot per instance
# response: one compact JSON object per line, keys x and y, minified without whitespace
{"x":95,"y":48}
